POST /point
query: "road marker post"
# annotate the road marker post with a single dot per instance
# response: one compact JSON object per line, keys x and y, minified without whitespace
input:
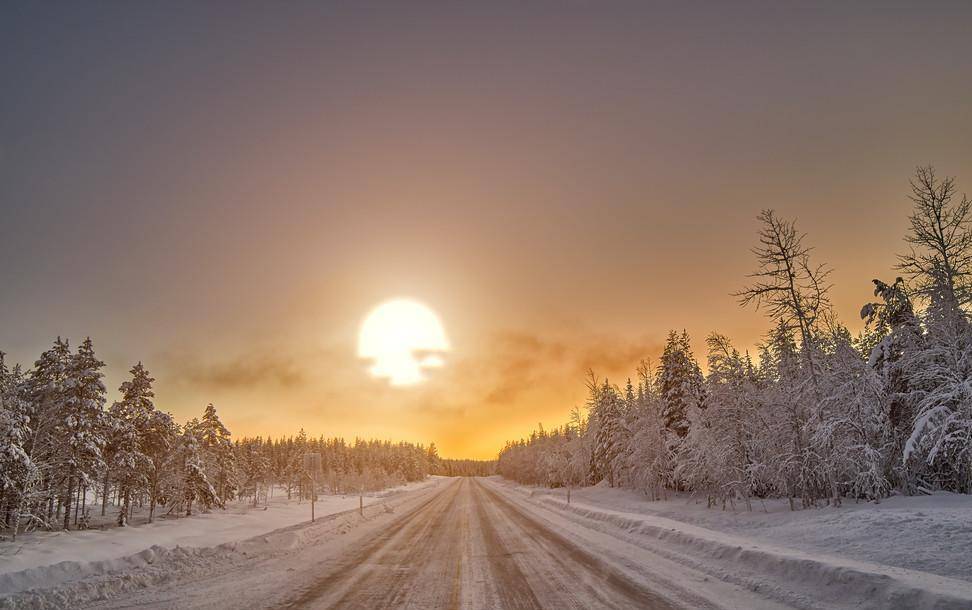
{"x":312,"y":466}
{"x":568,"y":494}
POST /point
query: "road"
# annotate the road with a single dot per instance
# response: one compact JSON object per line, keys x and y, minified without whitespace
{"x":464,"y":544}
{"x":468,"y":547}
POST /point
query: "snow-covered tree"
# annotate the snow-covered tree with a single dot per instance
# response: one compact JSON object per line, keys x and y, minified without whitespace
{"x":195,"y":485}
{"x":15,"y":464}
{"x":649,"y":456}
{"x":129,"y":421}
{"x":84,"y":400}
{"x":217,"y":451}
{"x":36,"y":487}
{"x":892,"y":339}
{"x":607,"y":416}
{"x":159,"y":438}
{"x":938,"y":453}
{"x":853,"y":434}
{"x":253,"y":464}
{"x":680,"y":383}
{"x":432,"y":457}
{"x":721,"y":456}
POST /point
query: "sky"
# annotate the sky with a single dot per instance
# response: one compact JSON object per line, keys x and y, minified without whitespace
{"x":224,"y":190}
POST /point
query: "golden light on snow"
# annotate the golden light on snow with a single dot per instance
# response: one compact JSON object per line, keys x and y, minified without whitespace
{"x":401,"y":338}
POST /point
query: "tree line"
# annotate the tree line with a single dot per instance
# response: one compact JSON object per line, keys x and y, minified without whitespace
{"x":61,"y":444}
{"x":818,"y":414}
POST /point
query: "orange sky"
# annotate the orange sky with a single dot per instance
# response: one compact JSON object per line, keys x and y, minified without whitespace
{"x":225,"y":196}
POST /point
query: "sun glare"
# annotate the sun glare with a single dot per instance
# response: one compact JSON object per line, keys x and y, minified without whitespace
{"x":401,"y":338}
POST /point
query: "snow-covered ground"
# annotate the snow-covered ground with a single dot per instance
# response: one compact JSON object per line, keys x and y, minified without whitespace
{"x":486,"y":543}
{"x":46,"y":559}
{"x":907,"y":552}
{"x":927,"y":533}
{"x":464,"y":543}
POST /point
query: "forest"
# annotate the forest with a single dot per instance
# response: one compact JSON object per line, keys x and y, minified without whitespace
{"x":819,"y":414}
{"x":63,"y":450}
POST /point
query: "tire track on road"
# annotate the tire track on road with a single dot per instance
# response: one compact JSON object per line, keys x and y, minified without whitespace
{"x":512,"y":587}
{"x":570,"y":557}
{"x":413,"y":526}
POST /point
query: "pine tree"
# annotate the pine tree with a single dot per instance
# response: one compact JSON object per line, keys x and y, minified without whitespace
{"x":649,"y":456}
{"x":15,"y":464}
{"x":195,"y":485}
{"x":853,"y":433}
{"x":893,"y":339}
{"x":44,"y":443}
{"x":610,"y":437}
{"x":217,"y":451}
{"x":680,"y":381}
{"x":720,"y":454}
{"x":158,"y":442}
{"x":129,"y":423}
{"x":432,"y":457}
{"x":254,"y":465}
{"x":84,"y":400}
{"x":938,"y":453}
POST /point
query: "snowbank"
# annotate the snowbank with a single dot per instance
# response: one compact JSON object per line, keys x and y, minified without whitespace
{"x":786,"y":549}
{"x":925,"y":533}
{"x":47,"y":559}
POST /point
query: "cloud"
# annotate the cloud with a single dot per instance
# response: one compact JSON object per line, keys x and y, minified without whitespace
{"x":242,"y":372}
{"x":516,"y":363}
{"x":511,"y":371}
{"x":517,"y":359}
{"x":611,"y":357}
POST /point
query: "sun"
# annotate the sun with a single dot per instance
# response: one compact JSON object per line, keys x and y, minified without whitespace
{"x":402,"y":337}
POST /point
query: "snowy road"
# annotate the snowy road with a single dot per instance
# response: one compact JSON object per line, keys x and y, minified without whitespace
{"x":466,"y":543}
{"x":469,"y":548}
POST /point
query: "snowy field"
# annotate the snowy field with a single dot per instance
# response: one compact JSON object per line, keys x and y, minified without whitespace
{"x":47,"y":559}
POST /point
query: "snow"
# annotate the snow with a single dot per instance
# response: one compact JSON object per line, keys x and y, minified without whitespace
{"x":450,"y":546}
{"x":45,"y":559}
{"x":927,"y":533}
{"x":904,"y":552}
